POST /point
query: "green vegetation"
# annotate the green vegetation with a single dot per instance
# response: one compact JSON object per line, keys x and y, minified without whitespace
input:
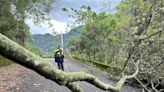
{"x":4,"y":61}
{"x":134,"y":32}
{"x":20,"y":55}
{"x":12,"y":20}
{"x":101,"y":66}
{"x":32,"y":47}
{"x":47,"y":42}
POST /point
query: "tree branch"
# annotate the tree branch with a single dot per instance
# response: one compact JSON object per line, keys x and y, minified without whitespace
{"x":144,"y":86}
{"x":20,"y":55}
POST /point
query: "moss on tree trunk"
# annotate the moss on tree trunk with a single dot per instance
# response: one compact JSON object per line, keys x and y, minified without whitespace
{"x":22,"y":56}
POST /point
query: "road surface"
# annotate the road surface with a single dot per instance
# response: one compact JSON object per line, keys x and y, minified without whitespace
{"x":33,"y":82}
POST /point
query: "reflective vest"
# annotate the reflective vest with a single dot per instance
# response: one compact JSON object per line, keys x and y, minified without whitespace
{"x":58,"y":53}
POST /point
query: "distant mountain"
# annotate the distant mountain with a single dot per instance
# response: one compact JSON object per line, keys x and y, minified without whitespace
{"x":47,"y":42}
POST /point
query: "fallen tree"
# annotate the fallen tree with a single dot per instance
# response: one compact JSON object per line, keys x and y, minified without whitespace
{"x":20,"y":55}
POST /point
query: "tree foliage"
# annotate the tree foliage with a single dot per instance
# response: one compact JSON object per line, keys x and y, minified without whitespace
{"x":133,"y":33}
{"x":20,"y":55}
{"x":13,"y":14}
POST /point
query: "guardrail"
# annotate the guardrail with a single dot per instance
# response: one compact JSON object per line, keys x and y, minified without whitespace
{"x":109,"y":69}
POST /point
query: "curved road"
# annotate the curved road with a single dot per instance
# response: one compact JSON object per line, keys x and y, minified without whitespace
{"x":33,"y":82}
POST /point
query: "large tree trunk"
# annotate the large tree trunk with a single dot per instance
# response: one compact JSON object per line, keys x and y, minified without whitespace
{"x":22,"y":56}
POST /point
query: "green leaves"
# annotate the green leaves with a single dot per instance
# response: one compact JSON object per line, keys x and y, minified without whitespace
{"x":64,"y":9}
{"x":12,"y":19}
{"x":132,"y":33}
{"x":98,"y":35}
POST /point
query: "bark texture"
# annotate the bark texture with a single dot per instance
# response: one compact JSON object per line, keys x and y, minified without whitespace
{"x":20,"y":55}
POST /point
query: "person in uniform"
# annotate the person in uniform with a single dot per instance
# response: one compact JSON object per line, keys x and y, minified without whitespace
{"x":59,"y":58}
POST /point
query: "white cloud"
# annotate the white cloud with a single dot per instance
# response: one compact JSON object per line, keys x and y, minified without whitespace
{"x":60,"y":19}
{"x":51,"y":26}
{"x":56,"y":26}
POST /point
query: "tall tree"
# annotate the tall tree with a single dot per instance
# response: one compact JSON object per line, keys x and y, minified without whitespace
{"x":14,"y":12}
{"x":12,"y":19}
{"x":133,"y":33}
{"x":20,"y":55}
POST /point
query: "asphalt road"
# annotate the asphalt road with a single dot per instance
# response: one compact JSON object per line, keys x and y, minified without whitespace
{"x":33,"y":82}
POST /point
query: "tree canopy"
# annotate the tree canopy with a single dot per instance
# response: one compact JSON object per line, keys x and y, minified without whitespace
{"x":134,"y":32}
{"x":13,"y":14}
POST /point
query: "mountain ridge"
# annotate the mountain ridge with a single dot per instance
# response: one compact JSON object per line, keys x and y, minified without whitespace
{"x":47,"y":42}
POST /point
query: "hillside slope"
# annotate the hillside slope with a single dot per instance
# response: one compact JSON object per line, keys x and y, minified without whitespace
{"x":47,"y":42}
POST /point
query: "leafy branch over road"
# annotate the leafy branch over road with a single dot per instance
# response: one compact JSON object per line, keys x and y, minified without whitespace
{"x":22,"y":56}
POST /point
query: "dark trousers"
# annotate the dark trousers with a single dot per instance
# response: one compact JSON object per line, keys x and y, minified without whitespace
{"x":60,"y":65}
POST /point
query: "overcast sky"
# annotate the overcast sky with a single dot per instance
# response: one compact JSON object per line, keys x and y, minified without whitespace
{"x":60,"y":19}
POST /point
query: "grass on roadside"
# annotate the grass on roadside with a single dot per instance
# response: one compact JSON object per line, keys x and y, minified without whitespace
{"x":4,"y":61}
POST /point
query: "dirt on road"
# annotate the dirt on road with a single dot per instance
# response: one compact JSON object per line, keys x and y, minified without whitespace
{"x":16,"y":78}
{"x":10,"y":76}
